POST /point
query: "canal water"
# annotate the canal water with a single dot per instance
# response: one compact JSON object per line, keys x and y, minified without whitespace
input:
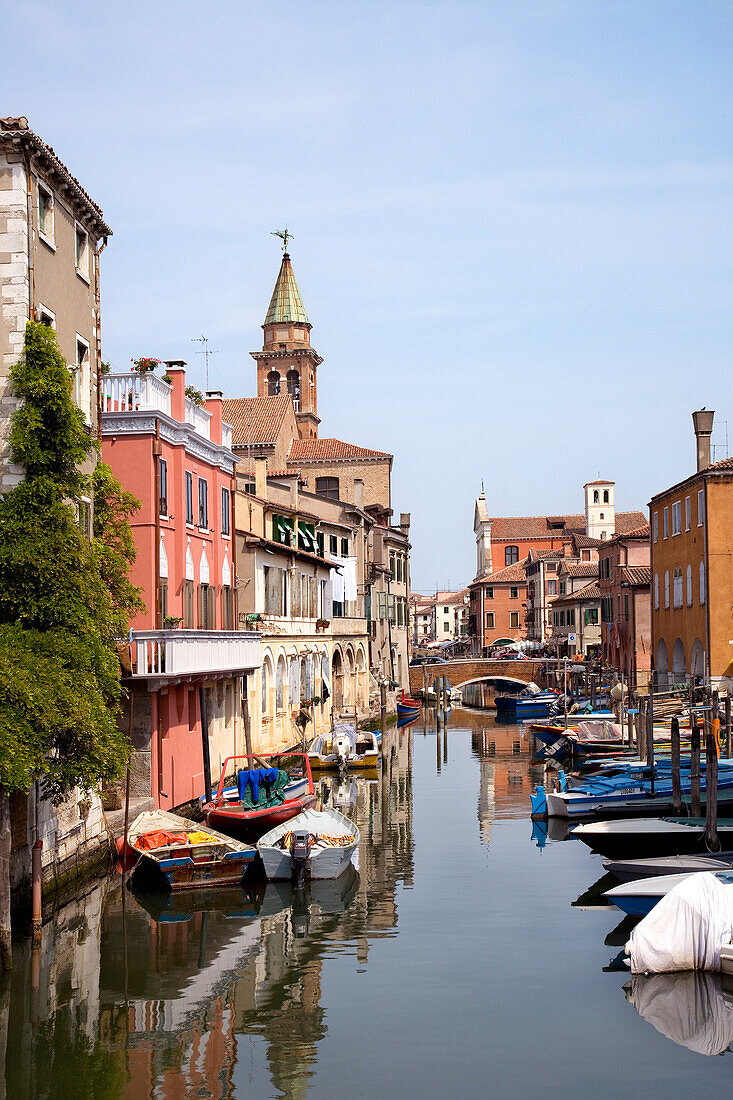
{"x":468,"y":956}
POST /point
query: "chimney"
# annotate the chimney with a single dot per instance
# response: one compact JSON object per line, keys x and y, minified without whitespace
{"x":358,"y":492}
{"x":176,"y":368}
{"x":703,"y":423}
{"x":261,"y":478}
{"x":213,"y":405}
{"x":405,"y":522}
{"x":294,"y":492}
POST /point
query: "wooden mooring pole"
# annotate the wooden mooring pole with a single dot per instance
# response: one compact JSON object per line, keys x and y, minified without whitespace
{"x":650,"y":737}
{"x":694,"y":766}
{"x":675,"y":762}
{"x":727,"y":724}
{"x":712,"y":840}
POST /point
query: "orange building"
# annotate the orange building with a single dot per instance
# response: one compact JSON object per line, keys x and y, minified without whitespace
{"x":692,"y":570}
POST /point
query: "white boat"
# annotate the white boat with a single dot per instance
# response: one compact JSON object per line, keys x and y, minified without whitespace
{"x":638,"y":897}
{"x":334,"y":840}
{"x":344,"y":749}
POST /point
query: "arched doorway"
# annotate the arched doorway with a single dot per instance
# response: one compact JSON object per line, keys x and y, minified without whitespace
{"x":697,"y":659}
{"x":679,"y":665}
{"x":361,"y":684}
{"x":337,"y":671}
{"x":349,"y":677}
{"x":661,"y":666}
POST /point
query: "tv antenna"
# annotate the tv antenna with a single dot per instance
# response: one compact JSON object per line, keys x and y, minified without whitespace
{"x":206,"y":351}
{"x":284,"y":236}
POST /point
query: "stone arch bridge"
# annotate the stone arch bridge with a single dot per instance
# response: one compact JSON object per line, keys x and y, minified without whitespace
{"x":476,"y":669}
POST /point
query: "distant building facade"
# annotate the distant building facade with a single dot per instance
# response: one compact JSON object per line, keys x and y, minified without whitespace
{"x":691,"y":570}
{"x":624,"y":580}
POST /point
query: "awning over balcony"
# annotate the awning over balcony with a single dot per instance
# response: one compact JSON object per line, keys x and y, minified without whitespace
{"x":162,"y":656}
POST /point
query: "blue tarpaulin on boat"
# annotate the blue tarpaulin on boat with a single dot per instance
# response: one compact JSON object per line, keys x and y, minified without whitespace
{"x":254,"y":777}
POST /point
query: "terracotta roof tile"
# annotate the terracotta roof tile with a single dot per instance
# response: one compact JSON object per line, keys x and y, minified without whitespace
{"x":641,"y":532}
{"x":527,"y":527}
{"x":582,"y":569}
{"x":637,"y":574}
{"x":510,"y":574}
{"x":588,"y":592}
{"x":316,"y":450}
{"x":255,"y":419}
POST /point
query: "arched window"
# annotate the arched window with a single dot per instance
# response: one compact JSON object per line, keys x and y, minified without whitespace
{"x":596,"y":496}
{"x":279,"y":680}
{"x":702,"y":582}
{"x":265,"y":684}
{"x":605,"y":496}
{"x":666,"y":589}
{"x":689,"y":586}
{"x":293,"y":379}
{"x":602,"y":516}
{"x":511,"y":555}
{"x":273,"y":383}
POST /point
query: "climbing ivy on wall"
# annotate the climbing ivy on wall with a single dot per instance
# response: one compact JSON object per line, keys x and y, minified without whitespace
{"x":63,"y":596}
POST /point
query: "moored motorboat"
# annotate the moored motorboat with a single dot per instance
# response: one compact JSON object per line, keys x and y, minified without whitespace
{"x":627,"y":870}
{"x":345,"y":748}
{"x":639,"y":897}
{"x":262,"y":797}
{"x":332,"y":840}
{"x":186,"y":853}
{"x":650,"y":836}
{"x":632,"y":793}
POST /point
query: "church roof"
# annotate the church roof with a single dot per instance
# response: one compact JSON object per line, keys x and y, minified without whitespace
{"x":255,"y":419}
{"x":286,"y":303}
{"x":317,"y":450}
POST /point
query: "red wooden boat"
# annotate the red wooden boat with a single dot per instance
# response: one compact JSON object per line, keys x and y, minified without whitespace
{"x":407,"y":707}
{"x":235,"y":812}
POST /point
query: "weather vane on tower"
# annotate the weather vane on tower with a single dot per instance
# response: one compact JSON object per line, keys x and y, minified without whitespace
{"x":284,"y":236}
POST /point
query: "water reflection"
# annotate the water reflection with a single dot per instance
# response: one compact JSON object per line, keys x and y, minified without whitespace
{"x":137,"y":993}
{"x":694,"y":1009}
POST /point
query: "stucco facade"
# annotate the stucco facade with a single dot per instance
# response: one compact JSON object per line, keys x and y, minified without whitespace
{"x":692,"y":577}
{"x":51,"y":236}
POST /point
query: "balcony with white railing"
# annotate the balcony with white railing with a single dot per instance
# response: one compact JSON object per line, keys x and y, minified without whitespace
{"x":198,"y":418}
{"x":133,"y":392}
{"x":172,"y":653}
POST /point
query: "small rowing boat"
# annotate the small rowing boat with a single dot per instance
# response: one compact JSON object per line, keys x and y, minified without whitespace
{"x":186,"y":853}
{"x":329,"y":840}
{"x":262,"y":797}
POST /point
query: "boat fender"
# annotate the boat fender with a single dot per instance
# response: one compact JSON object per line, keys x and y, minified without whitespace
{"x":539,"y":802}
{"x":563,"y":780}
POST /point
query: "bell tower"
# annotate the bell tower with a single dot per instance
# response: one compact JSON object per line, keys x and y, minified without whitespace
{"x":287,"y":362}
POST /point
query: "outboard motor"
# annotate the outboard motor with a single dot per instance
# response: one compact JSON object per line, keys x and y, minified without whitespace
{"x":300,"y":857}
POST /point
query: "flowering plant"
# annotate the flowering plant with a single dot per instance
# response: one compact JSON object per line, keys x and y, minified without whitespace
{"x":145,"y":364}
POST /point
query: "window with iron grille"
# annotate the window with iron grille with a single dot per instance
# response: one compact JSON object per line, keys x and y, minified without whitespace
{"x":163,"y":486}
{"x":225,"y":511}
{"x":203,"y":503}
{"x":189,"y":497}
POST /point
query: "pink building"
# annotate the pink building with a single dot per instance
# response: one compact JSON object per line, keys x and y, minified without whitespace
{"x":188,"y":664}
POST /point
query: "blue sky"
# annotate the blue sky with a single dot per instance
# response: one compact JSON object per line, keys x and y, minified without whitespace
{"x":512,"y":222}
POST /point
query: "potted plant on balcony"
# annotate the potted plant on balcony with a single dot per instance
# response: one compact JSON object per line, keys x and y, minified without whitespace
{"x":144,"y":365}
{"x":322,"y":624}
{"x":170,"y":622}
{"x":195,"y":395}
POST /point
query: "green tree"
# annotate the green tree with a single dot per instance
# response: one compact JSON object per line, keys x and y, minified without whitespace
{"x":63,"y":599}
